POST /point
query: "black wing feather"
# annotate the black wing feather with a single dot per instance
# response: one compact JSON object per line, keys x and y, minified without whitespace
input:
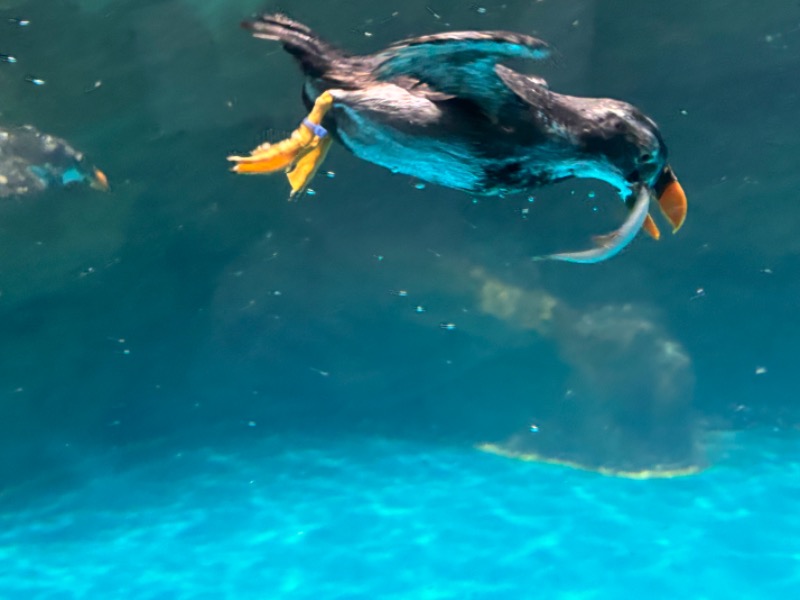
{"x":460,"y":64}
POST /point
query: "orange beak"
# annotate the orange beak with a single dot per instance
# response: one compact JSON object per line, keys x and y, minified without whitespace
{"x":651,"y":228}
{"x":671,"y":198}
{"x":100,"y":181}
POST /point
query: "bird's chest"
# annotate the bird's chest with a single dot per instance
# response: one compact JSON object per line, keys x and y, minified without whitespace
{"x":447,"y":162}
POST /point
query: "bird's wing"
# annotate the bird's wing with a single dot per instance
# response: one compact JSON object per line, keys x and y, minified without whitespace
{"x":529,"y":88}
{"x":460,"y":64}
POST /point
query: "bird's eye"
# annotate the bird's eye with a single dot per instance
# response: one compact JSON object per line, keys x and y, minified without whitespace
{"x":645,"y":158}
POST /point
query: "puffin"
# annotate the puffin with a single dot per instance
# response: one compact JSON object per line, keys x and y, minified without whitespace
{"x":444,"y":109}
{"x":32,"y":161}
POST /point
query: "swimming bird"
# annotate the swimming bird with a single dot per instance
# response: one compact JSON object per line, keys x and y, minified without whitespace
{"x":442,"y":108}
{"x":32,"y":161}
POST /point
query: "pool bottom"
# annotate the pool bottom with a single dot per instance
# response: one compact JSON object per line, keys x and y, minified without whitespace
{"x":657,"y":472}
{"x":293,"y":517}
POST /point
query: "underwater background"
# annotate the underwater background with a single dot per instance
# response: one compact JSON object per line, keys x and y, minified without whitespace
{"x":207,"y":391}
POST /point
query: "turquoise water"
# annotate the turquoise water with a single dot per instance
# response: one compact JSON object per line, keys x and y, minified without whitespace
{"x":207,"y":391}
{"x":300,"y":517}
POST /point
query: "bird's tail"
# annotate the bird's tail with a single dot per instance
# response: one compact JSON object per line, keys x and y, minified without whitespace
{"x":314,"y":54}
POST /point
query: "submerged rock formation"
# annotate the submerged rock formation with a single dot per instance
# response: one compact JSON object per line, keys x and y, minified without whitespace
{"x":627,"y":403}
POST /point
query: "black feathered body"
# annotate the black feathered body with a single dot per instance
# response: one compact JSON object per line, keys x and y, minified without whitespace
{"x":443,"y":109}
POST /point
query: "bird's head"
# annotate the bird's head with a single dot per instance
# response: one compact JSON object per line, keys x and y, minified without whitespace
{"x":631,"y":147}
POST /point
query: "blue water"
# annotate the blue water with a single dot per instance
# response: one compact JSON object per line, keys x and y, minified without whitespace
{"x":378,"y":518}
{"x":188,"y":299}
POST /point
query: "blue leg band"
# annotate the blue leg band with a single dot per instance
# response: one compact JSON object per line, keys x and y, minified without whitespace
{"x":317,"y":130}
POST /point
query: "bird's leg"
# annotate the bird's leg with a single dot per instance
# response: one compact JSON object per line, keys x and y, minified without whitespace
{"x":305,"y":167}
{"x":300,"y":155}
